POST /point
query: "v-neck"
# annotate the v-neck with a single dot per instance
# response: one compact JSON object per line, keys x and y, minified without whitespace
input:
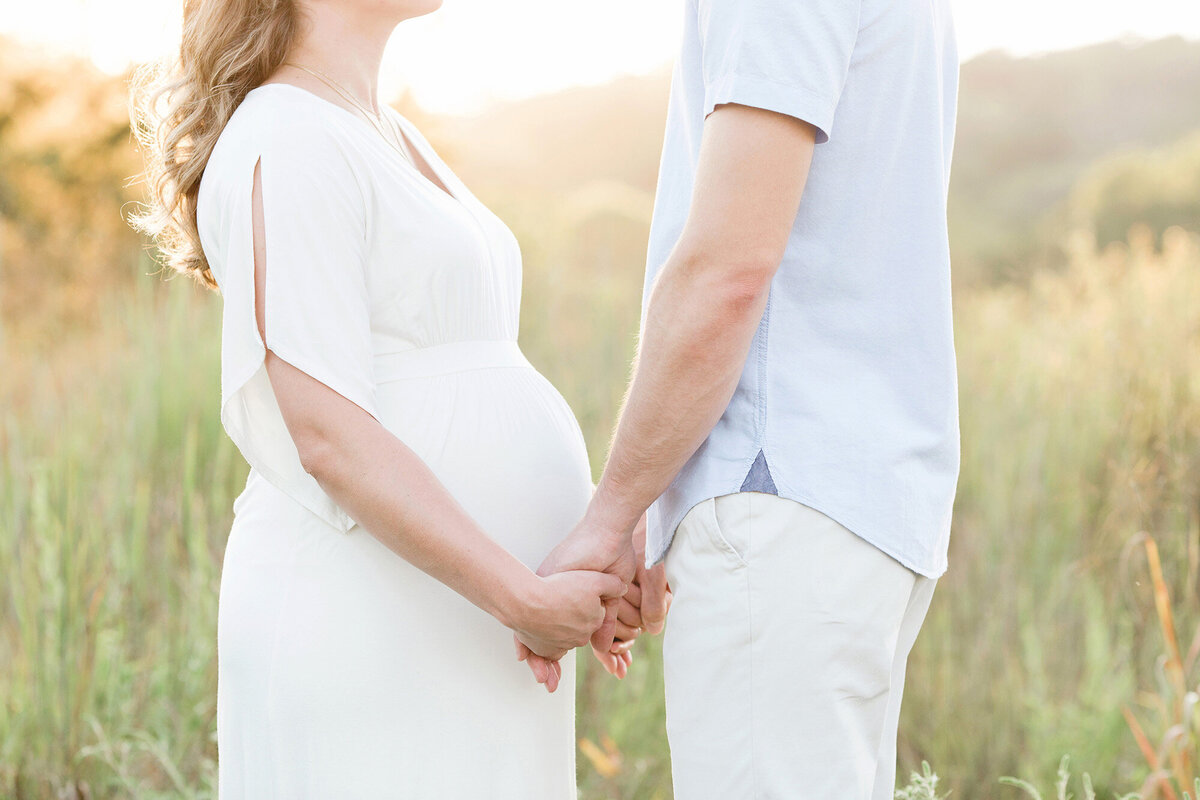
{"x":430,"y":159}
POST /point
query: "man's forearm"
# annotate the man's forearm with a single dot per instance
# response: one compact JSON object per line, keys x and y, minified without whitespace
{"x":706,"y":304}
{"x":700,"y":322}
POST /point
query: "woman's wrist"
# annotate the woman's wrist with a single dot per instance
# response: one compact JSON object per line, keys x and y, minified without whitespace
{"x":514,"y":596}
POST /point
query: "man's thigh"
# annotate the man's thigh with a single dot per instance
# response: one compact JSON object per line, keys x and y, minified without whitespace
{"x":779,"y":652}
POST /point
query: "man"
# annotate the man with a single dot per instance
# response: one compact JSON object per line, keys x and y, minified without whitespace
{"x":792,"y":422}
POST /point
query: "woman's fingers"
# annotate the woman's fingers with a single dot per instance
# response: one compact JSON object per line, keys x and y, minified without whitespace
{"x":629,"y":613}
{"x":633,"y":595}
{"x":554,"y":677}
{"x":621,"y":645}
{"x":610,"y":661}
{"x":547,"y":672}
{"x":539,"y":667}
{"x":621,"y":664}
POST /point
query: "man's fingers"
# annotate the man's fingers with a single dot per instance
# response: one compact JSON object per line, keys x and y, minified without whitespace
{"x":655,"y":600}
{"x":602,"y":639}
{"x":626,"y":633}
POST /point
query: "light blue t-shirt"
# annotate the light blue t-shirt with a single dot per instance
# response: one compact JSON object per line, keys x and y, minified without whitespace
{"x":848,"y":402}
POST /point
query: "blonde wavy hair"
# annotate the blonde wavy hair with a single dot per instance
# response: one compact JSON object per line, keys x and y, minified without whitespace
{"x":179,"y":107}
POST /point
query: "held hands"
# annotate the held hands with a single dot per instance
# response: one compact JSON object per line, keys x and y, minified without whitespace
{"x":642,"y":608}
{"x":561,"y":611}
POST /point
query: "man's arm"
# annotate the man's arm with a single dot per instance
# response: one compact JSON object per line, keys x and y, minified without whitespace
{"x":705,"y":305}
{"x":704,"y":309}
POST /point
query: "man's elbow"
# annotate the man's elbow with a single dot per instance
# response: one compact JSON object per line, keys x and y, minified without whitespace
{"x":747,"y":286}
{"x":739,"y":281}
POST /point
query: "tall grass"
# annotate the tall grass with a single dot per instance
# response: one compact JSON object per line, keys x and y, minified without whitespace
{"x":1171,"y":742}
{"x":1081,"y":429}
{"x":117,"y":485}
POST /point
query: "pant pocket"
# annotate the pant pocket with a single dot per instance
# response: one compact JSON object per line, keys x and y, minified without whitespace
{"x":729,"y":525}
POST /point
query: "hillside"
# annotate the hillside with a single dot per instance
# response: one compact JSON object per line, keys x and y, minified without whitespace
{"x":1028,"y":129}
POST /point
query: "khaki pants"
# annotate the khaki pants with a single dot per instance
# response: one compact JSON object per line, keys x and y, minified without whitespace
{"x":784,"y":654}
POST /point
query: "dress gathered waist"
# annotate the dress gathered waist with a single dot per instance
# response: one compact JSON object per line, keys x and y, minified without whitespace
{"x":444,"y":359}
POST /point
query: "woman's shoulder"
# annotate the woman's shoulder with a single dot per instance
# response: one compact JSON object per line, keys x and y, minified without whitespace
{"x":289,"y":123}
{"x":304,"y":146}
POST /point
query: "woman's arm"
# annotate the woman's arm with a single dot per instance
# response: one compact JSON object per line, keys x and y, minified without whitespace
{"x":387,"y":489}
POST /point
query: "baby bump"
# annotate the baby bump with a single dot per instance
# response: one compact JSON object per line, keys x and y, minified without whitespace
{"x":504,"y":443}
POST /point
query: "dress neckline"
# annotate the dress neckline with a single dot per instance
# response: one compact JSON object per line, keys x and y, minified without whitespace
{"x":416,"y":146}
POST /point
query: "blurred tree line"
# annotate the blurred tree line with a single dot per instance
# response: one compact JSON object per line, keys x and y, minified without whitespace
{"x":66,"y":160}
{"x":1029,"y":130}
{"x":1099,"y":138}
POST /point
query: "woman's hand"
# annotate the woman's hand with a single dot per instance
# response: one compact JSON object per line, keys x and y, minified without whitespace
{"x":560,"y":612}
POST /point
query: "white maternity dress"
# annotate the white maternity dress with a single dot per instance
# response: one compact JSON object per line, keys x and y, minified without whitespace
{"x":345,"y":672}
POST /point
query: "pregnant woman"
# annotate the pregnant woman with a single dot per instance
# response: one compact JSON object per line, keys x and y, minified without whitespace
{"x":409,"y":468}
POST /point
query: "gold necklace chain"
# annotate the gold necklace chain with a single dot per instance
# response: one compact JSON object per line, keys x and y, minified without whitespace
{"x":375,"y":119}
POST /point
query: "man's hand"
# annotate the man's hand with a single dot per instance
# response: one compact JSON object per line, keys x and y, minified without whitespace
{"x":643,"y":609}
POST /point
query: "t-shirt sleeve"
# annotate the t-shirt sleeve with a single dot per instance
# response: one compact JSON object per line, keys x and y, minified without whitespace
{"x":787,"y":56}
{"x":317,"y":315}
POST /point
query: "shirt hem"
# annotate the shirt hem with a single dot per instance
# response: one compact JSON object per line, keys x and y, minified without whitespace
{"x":934,"y":569}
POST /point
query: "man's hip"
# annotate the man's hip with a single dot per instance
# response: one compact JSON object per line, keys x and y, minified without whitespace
{"x":784,"y":653}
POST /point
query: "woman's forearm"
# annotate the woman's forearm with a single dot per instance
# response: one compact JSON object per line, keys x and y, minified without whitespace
{"x":388,"y":490}
{"x":385,"y":487}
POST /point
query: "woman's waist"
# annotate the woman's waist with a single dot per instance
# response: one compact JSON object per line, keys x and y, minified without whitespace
{"x":449,"y":358}
{"x":479,"y":393}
